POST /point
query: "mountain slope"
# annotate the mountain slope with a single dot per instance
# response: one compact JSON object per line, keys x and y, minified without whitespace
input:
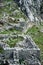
{"x":31,"y":8}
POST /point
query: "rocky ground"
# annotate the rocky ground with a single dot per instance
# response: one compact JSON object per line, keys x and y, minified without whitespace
{"x":13,"y":21}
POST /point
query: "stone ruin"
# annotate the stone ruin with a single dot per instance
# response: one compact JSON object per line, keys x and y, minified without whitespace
{"x":25,"y":52}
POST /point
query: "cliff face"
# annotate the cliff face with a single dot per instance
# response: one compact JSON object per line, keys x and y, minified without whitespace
{"x":31,"y":8}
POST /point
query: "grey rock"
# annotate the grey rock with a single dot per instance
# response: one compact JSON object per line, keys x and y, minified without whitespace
{"x":31,"y":8}
{"x":26,"y":52}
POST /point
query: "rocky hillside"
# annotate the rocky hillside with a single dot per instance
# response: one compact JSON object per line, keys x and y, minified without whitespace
{"x":32,"y":8}
{"x":15,"y":20}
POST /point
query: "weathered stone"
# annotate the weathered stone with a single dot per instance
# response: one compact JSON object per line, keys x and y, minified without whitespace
{"x":31,"y":8}
{"x":26,"y":52}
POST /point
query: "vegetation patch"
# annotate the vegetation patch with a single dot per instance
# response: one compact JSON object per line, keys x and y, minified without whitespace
{"x":13,"y":41}
{"x":1,"y":50}
{"x":10,"y":31}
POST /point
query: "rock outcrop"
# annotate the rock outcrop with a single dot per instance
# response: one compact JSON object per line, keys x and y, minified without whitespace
{"x":31,"y":8}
